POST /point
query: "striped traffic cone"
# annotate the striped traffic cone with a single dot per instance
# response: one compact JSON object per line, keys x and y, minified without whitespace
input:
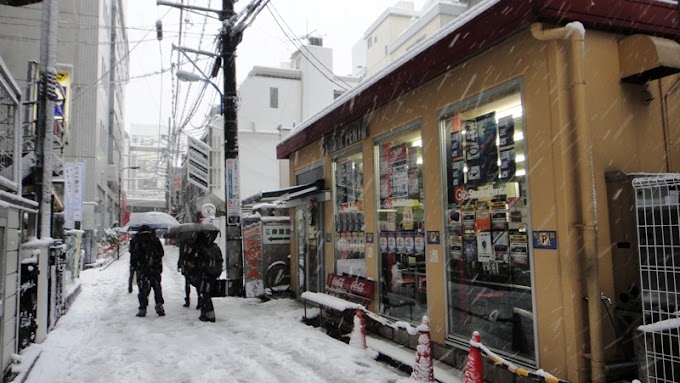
{"x":474,"y":370}
{"x":358,"y":337}
{"x":423,"y":370}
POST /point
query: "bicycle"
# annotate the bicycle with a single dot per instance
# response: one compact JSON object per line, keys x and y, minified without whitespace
{"x":277,"y":278}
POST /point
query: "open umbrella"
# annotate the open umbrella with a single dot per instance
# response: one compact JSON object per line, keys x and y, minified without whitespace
{"x":186,"y":232}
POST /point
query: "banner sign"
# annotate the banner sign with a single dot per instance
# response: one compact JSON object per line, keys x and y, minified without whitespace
{"x":233,"y":191}
{"x":74,"y":177}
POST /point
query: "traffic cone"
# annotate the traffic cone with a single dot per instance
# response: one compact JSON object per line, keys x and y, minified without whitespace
{"x":358,"y":337}
{"x":474,"y":370}
{"x":423,"y":370}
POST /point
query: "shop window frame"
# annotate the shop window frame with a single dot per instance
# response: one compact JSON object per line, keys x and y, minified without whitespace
{"x":344,"y":153}
{"x":473,"y":102}
{"x":411,"y":127}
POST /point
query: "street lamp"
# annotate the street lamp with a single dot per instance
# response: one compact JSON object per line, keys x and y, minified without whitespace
{"x":193,"y":77}
{"x":120,"y":203}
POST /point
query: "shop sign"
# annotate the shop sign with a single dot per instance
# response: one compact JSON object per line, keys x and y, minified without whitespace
{"x":482,"y":194}
{"x":344,"y":137}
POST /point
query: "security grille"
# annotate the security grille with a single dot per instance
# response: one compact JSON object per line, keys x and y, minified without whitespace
{"x":656,"y":200}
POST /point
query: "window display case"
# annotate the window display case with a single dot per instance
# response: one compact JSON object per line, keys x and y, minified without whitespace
{"x":488,"y":256}
{"x":400,"y":220}
{"x":349,"y":219}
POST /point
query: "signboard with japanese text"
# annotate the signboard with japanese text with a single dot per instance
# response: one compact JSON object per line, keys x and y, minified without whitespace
{"x":74,"y":182}
{"x":233,"y":191}
{"x":198,"y":158}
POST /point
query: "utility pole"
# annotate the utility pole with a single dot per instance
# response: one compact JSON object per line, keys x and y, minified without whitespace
{"x":45,"y":128}
{"x":233,"y":26}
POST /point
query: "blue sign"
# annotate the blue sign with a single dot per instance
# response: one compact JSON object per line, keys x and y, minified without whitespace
{"x":545,"y":240}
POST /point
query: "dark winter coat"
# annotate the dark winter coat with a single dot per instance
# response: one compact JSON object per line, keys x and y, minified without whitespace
{"x":146,"y":253}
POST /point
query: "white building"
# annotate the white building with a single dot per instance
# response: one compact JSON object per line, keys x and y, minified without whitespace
{"x":271,"y":102}
{"x":146,"y":186}
{"x":92,"y":61}
{"x":401,"y":28}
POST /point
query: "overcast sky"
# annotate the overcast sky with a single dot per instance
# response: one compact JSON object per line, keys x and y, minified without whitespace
{"x":149,"y":96}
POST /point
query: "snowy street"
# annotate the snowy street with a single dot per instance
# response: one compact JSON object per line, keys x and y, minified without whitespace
{"x":101,"y":340}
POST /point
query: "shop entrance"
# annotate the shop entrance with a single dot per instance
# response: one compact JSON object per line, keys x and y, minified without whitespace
{"x":309,"y":246}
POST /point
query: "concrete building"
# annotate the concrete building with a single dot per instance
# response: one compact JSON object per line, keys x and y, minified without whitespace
{"x":271,"y":102}
{"x":399,"y":29}
{"x":484,"y":180}
{"x":146,"y":186}
{"x":92,"y":66}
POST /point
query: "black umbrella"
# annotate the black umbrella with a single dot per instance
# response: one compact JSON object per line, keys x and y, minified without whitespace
{"x":186,"y":232}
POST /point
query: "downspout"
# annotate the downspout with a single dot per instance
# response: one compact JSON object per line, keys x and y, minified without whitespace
{"x":575,"y":33}
{"x":665,"y":120}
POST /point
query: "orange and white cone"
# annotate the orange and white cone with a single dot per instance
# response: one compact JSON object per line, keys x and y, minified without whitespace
{"x":474,"y":369}
{"x":423,"y":369}
{"x":358,"y":336}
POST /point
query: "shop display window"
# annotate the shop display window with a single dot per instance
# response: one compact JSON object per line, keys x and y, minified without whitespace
{"x":400,"y":220}
{"x":488,"y":255}
{"x":349,"y":219}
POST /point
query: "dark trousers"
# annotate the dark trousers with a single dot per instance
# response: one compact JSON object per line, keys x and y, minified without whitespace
{"x":205,"y":295}
{"x":146,"y":282}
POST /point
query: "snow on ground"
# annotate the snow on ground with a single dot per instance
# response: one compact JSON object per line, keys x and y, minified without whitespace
{"x":100,"y":339}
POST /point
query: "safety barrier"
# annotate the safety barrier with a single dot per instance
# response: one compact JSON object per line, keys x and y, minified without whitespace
{"x":477,"y":372}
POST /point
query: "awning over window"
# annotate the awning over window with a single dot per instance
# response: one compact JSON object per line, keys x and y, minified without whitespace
{"x":286,"y":194}
{"x":644,"y":58}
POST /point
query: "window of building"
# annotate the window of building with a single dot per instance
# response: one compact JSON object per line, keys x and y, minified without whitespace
{"x":488,"y":254}
{"x":349,"y":215}
{"x":400,"y":219}
{"x":369,"y":42}
{"x":274,"y":98}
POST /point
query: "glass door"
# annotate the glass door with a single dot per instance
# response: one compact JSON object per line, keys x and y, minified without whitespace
{"x":309,"y":237}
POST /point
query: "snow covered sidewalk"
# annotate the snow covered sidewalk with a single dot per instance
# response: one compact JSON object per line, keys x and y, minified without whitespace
{"x":101,"y":340}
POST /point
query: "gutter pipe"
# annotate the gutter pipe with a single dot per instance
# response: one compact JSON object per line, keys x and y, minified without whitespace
{"x":585,"y":179}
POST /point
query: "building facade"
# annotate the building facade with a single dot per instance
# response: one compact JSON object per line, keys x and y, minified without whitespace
{"x":476,"y":190}
{"x":92,"y":68}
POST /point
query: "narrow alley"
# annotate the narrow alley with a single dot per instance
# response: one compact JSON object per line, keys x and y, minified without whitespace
{"x":101,"y":340}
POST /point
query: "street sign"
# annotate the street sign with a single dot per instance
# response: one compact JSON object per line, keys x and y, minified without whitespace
{"x":198,"y":158}
{"x":276,"y":234}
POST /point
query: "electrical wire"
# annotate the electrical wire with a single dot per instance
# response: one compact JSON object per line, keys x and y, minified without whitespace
{"x":302,"y":48}
{"x":125,"y":56}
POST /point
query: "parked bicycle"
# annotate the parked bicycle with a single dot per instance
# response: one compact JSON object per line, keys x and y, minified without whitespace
{"x":277,"y":278}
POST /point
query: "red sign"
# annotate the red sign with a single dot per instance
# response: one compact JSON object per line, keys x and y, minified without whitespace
{"x":355,"y":285}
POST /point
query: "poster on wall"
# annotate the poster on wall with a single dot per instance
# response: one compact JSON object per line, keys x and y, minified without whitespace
{"x":456,"y":243}
{"x":519,"y":252}
{"x":501,"y":246}
{"x":508,"y":166}
{"x":506,"y":131}
{"x":399,"y":184}
{"x":458,"y":174}
{"x":487,"y":130}
{"x":456,"y":147}
{"x":470,"y":247}
{"x":484,"y":247}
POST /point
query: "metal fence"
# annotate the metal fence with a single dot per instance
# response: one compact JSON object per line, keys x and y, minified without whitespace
{"x":658,"y":215}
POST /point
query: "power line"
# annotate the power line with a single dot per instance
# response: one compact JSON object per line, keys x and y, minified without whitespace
{"x":125,"y":56}
{"x":302,"y":47}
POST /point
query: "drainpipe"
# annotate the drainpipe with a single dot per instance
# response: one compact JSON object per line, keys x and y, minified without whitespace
{"x":585,"y":179}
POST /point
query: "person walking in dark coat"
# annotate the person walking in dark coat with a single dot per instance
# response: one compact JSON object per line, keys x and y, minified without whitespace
{"x":209,"y":261}
{"x":186,"y":265}
{"x":146,"y":261}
